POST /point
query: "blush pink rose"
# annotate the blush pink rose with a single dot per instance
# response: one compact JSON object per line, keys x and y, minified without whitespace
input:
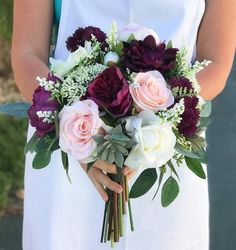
{"x":150,"y":91}
{"x":78,"y":123}
{"x":139,"y":32}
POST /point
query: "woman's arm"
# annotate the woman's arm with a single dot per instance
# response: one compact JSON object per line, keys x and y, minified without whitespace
{"x":216,"y":42}
{"x":32,"y":27}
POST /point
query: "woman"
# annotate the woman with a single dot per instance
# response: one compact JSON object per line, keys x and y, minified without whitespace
{"x":59,"y":215}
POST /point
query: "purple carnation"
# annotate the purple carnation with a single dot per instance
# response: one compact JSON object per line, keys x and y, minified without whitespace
{"x":85,"y":34}
{"x":110,"y":90}
{"x":146,"y":55}
{"x":181,"y":82}
{"x":42,"y":102}
{"x":190,"y":117}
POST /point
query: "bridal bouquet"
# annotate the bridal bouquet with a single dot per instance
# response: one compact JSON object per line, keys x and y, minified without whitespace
{"x":126,"y":98}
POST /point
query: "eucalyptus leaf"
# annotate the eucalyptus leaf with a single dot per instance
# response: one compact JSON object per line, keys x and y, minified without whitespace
{"x":170,"y":191}
{"x":90,"y":165}
{"x":159,"y":183}
{"x":206,"y":109}
{"x":170,"y":164}
{"x":195,"y":166}
{"x":204,"y":122}
{"x":65,"y":162}
{"x":41,"y":159}
{"x":185,"y":152}
{"x":15,"y":109}
{"x":30,"y":145}
{"x":41,"y":145}
{"x":143,"y":183}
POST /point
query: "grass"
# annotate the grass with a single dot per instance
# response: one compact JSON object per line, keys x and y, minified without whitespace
{"x":12,"y":141}
{"x":6,"y":18}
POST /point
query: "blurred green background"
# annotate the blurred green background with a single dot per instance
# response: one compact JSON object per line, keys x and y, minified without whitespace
{"x":221,"y":138}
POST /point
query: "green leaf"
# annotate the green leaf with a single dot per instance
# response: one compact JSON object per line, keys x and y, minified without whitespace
{"x":65,"y":162}
{"x":200,"y":154}
{"x":183,"y":151}
{"x":204,"y":122}
{"x":119,"y":159}
{"x":41,"y":159}
{"x":159,"y":183}
{"x":15,"y":109}
{"x":55,"y":139}
{"x":170,"y":164}
{"x":195,"y":166}
{"x":41,"y":145}
{"x":119,"y":48}
{"x":122,"y":149}
{"x":90,"y":165}
{"x":170,"y":191}
{"x":169,"y":45}
{"x":143,"y":183}
{"x":131,"y":38}
{"x":30,"y":145}
{"x":206,"y":109}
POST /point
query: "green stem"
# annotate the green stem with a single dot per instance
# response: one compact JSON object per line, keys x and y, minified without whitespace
{"x":107,"y":222}
{"x":130,"y":216}
{"x":121,"y":215}
{"x":104,"y":221}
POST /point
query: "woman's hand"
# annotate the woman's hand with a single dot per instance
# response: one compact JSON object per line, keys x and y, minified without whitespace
{"x":101,"y":180}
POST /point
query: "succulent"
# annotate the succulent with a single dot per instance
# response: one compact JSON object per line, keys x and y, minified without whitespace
{"x":113,"y":147}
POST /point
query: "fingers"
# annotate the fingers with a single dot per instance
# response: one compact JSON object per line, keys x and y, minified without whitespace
{"x":109,"y":168}
{"x":101,"y":190}
{"x":129,"y":172}
{"x":107,"y":182}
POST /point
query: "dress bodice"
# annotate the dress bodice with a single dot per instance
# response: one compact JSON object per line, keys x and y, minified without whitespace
{"x":172,"y":20}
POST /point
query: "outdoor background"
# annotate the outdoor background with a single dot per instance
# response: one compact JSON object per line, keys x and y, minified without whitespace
{"x":221,"y":156}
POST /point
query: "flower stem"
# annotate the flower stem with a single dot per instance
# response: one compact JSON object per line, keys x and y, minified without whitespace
{"x":121,"y":215}
{"x":107,"y":221}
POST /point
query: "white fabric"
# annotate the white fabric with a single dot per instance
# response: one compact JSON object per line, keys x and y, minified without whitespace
{"x":63,"y":216}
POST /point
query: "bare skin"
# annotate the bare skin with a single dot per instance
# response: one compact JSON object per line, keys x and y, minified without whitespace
{"x":30,"y":52}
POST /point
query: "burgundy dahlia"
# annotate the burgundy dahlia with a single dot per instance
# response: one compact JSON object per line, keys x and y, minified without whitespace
{"x":190,"y":117}
{"x":181,"y":82}
{"x":110,"y":90}
{"x":85,"y":34}
{"x":42,"y":102}
{"x":146,"y":55}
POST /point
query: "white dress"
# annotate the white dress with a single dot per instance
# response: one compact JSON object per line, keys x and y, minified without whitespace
{"x":63,"y":216}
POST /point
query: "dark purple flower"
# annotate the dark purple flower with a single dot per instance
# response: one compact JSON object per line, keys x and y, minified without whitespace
{"x":110,"y":90}
{"x":85,"y":34}
{"x":146,"y":55}
{"x":42,"y":102}
{"x":190,"y":117}
{"x":181,"y":82}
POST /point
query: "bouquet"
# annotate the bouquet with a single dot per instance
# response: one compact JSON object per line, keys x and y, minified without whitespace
{"x":126,"y":98}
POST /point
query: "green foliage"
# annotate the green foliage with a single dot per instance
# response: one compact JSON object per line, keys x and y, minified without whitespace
{"x":12,"y":140}
{"x":144,"y":183}
{"x":170,"y":191}
{"x":6,"y":12}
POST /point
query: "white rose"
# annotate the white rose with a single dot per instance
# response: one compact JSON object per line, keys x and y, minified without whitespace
{"x":155,"y":141}
{"x":139,"y":32}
